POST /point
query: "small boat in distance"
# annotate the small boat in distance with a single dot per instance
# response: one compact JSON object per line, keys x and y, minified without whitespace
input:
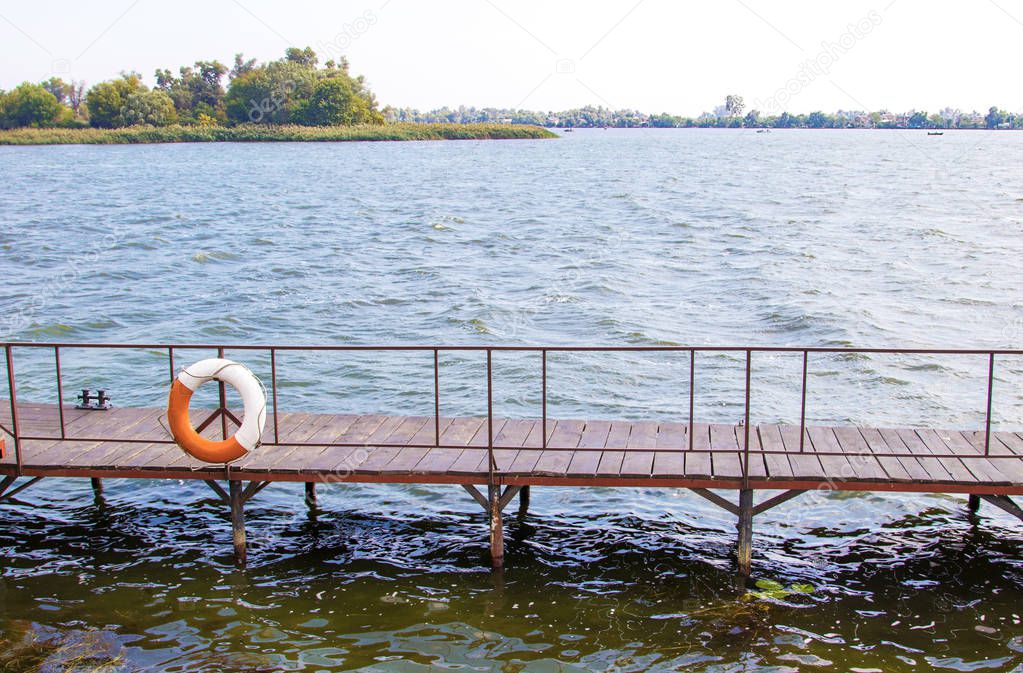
{"x":763,"y":130}
{"x":568,"y":130}
{"x":935,"y":133}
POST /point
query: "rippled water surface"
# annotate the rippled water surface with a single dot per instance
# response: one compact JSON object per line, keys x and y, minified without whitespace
{"x":600,"y":237}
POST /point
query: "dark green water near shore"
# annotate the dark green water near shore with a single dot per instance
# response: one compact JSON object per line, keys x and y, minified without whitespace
{"x":640,"y":237}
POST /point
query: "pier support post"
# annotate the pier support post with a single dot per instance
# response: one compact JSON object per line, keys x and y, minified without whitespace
{"x":744,"y":551}
{"x":238,"y":522}
{"x":974,"y":503}
{"x":97,"y":487}
{"x":496,"y":527}
{"x":310,"y":495}
{"x":523,"y":500}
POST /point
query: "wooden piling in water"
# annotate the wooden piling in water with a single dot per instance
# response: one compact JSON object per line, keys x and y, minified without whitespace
{"x":523,"y":500}
{"x":310,"y":495}
{"x":974,"y":503}
{"x":238,"y":522}
{"x":97,"y":487}
{"x":745,"y":526}
{"x":496,"y":527}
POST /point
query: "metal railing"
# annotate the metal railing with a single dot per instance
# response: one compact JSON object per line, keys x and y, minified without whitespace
{"x":744,"y":449}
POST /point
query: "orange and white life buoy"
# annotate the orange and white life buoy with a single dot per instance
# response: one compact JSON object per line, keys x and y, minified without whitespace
{"x":253,"y":400}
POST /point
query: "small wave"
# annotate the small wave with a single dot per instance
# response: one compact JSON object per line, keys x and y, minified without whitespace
{"x":474,"y":325}
{"x":203,"y":257}
{"x":101,"y":324}
{"x":53,"y":329}
{"x":927,"y":367}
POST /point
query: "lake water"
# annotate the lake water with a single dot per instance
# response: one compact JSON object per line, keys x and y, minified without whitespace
{"x":848,"y":238}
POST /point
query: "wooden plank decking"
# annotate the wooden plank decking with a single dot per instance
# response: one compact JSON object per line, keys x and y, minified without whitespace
{"x":621,"y":453}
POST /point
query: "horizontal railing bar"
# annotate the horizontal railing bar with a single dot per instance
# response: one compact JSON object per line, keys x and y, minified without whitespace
{"x":560,"y":349}
{"x":382,"y":445}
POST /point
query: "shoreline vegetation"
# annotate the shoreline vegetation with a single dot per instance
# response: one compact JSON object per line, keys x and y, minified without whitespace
{"x":732,"y":114}
{"x":295,"y":99}
{"x":271,"y":133}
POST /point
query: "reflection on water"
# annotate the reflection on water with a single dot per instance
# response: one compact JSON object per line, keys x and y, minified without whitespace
{"x":612,"y":237}
{"x":395,"y":578}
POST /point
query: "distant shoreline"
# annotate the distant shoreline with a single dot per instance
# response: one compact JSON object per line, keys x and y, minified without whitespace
{"x":139,"y":135}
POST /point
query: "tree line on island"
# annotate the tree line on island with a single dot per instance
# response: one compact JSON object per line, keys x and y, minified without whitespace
{"x":290,"y":90}
{"x":296,"y":90}
{"x":731,"y":114}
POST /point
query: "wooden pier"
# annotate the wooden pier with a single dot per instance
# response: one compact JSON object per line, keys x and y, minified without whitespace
{"x":335,"y":448}
{"x":496,"y":459}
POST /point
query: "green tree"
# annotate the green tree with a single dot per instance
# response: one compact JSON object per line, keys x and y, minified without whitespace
{"x":305,"y":56}
{"x":241,"y":66}
{"x":59,"y":88}
{"x":106,"y":100}
{"x":995,"y":118}
{"x":752,"y":118}
{"x":148,"y":107}
{"x":293,"y":90}
{"x":734,"y":105}
{"x":333,"y":102}
{"x":198,"y":89}
{"x":28,"y":105}
{"x":275,"y":93}
{"x":917,"y":120}
{"x":819,"y":120}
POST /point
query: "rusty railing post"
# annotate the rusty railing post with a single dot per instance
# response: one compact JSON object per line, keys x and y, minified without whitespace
{"x":543,"y":426}
{"x":990,"y":393}
{"x":802,"y":404}
{"x":745,"y":444}
{"x":692,"y":394}
{"x":436,"y":396}
{"x":490,"y":415}
{"x":223,"y":400}
{"x":273,"y":388}
{"x":60,"y":392}
{"x":13,"y":392}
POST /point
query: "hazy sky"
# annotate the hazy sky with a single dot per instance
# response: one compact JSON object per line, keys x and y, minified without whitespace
{"x":652,"y":55}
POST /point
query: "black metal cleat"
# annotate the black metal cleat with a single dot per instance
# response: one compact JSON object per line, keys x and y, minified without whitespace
{"x":86,"y":399}
{"x":101,"y":399}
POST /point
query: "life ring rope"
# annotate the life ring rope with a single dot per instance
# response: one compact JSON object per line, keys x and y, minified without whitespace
{"x":253,"y":394}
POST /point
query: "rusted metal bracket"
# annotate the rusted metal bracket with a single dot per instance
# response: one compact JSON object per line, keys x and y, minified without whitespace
{"x":771,"y":503}
{"x":732,"y":508}
{"x":1004,"y":503}
{"x":208,"y":420}
{"x":252,"y":489}
{"x":214,"y":415}
{"x":721,"y":502}
{"x":506,"y":497}
{"x":502,"y":502}
{"x":7,"y":496}
{"x":219,"y":490}
{"x":247,"y":493}
{"x":477,"y":496}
